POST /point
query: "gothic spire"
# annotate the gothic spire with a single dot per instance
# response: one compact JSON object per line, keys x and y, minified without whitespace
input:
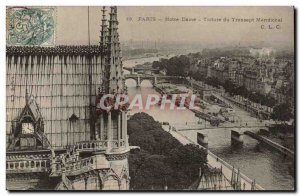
{"x":116,"y":83}
{"x":103,"y":32}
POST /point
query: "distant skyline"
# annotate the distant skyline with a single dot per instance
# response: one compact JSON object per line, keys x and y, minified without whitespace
{"x":72,"y":25}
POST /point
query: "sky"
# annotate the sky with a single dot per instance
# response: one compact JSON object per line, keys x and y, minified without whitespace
{"x":72,"y":25}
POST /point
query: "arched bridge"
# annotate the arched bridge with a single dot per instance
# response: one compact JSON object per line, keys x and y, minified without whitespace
{"x":154,"y":79}
{"x":145,"y":70}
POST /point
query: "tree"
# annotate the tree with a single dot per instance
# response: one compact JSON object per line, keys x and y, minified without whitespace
{"x":142,"y":122}
{"x":187,"y":160}
{"x":144,"y":140}
{"x":282,"y":112}
{"x":162,"y":160}
{"x":164,"y":142}
{"x":157,"y":64}
{"x":149,"y":171}
{"x":230,"y":87}
{"x":178,"y":66}
{"x":270,"y":102}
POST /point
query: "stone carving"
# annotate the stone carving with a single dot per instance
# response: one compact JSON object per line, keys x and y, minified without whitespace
{"x":114,"y":157}
{"x":53,"y":51}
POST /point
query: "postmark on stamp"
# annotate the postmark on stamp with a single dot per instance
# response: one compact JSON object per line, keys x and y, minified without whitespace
{"x":31,"y":26}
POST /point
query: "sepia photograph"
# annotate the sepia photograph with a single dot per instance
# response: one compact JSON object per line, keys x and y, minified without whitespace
{"x":150,"y":98}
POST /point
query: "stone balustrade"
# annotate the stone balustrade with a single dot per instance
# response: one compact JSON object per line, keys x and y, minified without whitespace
{"x":91,"y":145}
{"x":118,"y":143}
{"x":86,"y":163}
{"x":38,"y":165}
{"x":97,"y":145}
{"x":71,"y":167}
{"x":71,"y":163}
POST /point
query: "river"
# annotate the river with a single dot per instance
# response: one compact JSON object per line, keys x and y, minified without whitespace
{"x":269,"y":169}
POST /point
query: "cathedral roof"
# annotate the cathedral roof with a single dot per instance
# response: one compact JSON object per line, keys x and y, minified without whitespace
{"x":61,"y":86}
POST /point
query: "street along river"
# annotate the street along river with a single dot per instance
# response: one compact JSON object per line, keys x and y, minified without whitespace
{"x":269,"y":169}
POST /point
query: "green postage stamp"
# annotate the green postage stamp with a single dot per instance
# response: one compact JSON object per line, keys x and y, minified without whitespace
{"x":33,"y":26}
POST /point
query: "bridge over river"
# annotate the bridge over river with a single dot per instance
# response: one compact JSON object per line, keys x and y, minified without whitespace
{"x":154,"y":79}
{"x":141,"y":69}
{"x":251,"y":129}
{"x":207,"y":125}
{"x":216,"y":162}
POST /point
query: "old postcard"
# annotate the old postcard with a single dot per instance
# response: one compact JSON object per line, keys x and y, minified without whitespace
{"x":117,"y":98}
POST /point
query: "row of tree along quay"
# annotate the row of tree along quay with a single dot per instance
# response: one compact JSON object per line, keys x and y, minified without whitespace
{"x":193,"y":64}
{"x":162,"y":162}
{"x":181,"y":66}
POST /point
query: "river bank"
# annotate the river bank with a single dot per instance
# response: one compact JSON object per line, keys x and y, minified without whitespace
{"x":269,"y":169}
